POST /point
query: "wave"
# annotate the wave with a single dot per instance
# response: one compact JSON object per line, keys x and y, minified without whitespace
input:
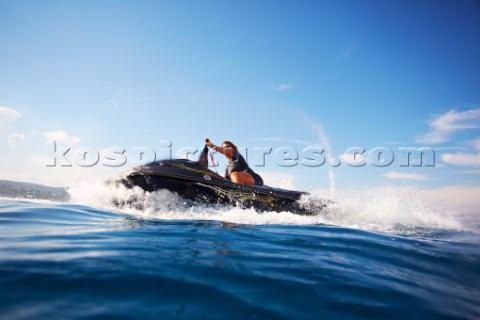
{"x":55,"y":257}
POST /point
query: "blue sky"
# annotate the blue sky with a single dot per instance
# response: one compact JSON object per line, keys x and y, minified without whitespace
{"x":129,"y":74}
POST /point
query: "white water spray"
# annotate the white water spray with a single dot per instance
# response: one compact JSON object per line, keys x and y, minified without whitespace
{"x":331,"y":161}
{"x":383,"y":209}
{"x":325,"y":142}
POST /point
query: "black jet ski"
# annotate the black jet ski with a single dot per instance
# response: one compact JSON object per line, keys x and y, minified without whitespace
{"x":194,"y":181}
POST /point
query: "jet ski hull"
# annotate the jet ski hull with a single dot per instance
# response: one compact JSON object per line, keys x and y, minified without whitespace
{"x":194,"y":182}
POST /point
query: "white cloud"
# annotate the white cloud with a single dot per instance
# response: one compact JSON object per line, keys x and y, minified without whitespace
{"x":351,"y":48}
{"x":278,"y":179}
{"x":477,"y":171}
{"x":22,"y":154}
{"x":60,"y":136}
{"x":16,"y":139}
{"x":404,"y":176}
{"x":476,"y":144}
{"x":9,"y":115}
{"x":443,"y":127}
{"x":353,"y":159}
{"x":283,"y":86}
{"x":462,"y":159}
{"x":461,"y":199}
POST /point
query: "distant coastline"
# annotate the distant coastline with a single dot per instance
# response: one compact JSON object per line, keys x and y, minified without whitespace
{"x":17,"y":189}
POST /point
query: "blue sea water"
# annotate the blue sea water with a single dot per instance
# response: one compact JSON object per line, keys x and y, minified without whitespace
{"x":79,"y":261}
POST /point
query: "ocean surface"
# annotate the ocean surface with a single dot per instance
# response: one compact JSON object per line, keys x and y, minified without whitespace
{"x":373,"y":254}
